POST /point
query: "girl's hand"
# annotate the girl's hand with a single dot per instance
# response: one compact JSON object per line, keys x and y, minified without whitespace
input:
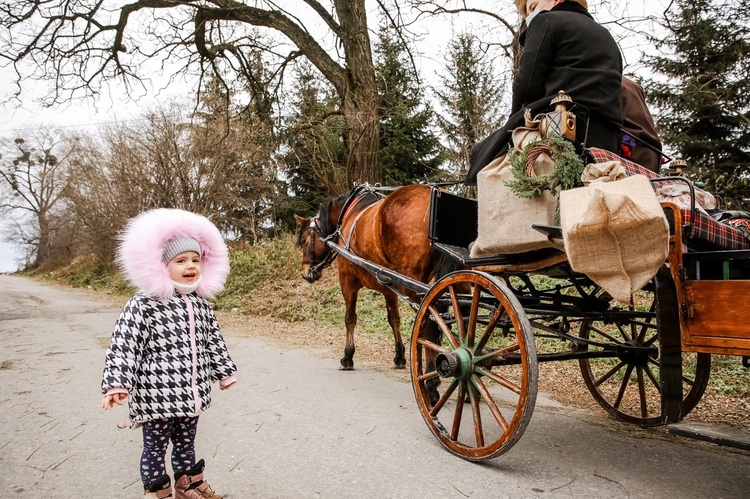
{"x":109,"y":401}
{"x":227,"y":382}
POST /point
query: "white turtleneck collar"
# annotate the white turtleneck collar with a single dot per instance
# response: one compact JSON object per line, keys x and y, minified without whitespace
{"x":186,"y":289}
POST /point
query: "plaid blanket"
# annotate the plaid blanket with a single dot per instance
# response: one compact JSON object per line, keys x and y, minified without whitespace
{"x":705,"y":231}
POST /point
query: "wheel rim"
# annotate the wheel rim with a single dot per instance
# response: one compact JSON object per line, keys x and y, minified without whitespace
{"x":484,"y":407}
{"x":627,"y":386}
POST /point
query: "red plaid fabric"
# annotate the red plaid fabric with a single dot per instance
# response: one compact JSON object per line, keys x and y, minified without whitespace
{"x":705,"y":231}
{"x":602,"y":156}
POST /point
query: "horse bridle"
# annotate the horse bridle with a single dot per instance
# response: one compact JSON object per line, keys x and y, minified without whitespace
{"x":314,"y":227}
{"x":351,"y":200}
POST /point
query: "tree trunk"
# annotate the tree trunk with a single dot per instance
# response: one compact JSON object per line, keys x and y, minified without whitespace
{"x":42,"y":248}
{"x":360,"y":96}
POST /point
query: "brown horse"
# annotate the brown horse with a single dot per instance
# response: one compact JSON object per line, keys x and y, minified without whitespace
{"x":391,"y":232}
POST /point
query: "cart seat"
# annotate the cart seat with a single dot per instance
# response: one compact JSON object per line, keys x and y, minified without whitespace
{"x":700,"y":231}
{"x":453,"y":227}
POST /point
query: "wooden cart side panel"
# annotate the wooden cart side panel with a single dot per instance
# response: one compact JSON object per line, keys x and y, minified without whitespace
{"x":714,"y":318}
{"x":717,"y":317}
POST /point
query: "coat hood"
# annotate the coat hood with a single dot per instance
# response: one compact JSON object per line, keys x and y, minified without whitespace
{"x":146,"y":236}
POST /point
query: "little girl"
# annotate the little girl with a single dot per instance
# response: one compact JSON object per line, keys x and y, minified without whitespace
{"x":166,"y":348}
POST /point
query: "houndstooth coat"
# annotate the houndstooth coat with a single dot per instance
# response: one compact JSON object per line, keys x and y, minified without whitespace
{"x":164,"y":359}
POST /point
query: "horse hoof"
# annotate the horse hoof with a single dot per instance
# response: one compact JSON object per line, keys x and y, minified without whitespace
{"x":346,"y":364}
{"x":434,"y":397}
{"x":399,"y":366}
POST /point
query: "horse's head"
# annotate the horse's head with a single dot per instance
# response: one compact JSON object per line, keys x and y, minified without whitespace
{"x":315,"y":254}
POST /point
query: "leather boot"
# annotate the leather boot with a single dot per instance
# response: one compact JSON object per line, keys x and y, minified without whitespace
{"x":192,"y":485}
{"x":160,"y":488}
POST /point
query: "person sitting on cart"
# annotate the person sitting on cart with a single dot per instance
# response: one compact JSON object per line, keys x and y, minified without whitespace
{"x":563,"y":49}
{"x":640,"y":142}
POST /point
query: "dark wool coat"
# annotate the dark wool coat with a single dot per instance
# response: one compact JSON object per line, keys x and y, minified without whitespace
{"x":166,"y":366}
{"x":563,"y":49}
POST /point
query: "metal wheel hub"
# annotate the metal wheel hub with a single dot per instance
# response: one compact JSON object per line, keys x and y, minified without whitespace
{"x":636,"y":357}
{"x":456,"y":364}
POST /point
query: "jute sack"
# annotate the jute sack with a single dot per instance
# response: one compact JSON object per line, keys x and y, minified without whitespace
{"x":505,"y":219}
{"x":615,"y":232}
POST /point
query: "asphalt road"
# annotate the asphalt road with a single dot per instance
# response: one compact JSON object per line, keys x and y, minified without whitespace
{"x":295,"y":426}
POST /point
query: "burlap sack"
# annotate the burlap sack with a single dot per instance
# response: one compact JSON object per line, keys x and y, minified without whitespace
{"x":615,"y":233}
{"x":505,"y":219}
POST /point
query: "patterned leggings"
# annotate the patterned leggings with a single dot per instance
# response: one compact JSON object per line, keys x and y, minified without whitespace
{"x":156,"y":437}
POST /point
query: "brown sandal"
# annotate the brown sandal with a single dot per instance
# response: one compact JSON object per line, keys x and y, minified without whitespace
{"x":191,"y":485}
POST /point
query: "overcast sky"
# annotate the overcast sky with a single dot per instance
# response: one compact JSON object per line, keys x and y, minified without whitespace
{"x":87,"y":116}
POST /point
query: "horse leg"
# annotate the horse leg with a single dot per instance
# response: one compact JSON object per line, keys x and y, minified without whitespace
{"x":394,"y":319}
{"x":431,"y":332}
{"x":350,"y":291}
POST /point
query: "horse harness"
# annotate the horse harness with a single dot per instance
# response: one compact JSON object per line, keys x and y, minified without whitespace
{"x":355,"y":196}
{"x":314,"y":227}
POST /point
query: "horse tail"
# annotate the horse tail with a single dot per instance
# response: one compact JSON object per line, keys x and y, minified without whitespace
{"x":443,"y":264}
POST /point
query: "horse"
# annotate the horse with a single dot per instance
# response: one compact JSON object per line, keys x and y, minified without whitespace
{"x":390,"y":232}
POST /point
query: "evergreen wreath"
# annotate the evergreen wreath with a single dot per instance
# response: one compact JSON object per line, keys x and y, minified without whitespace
{"x":566,"y":175}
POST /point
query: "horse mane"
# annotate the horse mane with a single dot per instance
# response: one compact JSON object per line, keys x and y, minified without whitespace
{"x":328,"y":227}
{"x":324,"y":214}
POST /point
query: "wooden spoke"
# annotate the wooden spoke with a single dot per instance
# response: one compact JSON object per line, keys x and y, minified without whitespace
{"x":490,"y":402}
{"x":429,"y":375}
{"x":623,"y":332}
{"x":444,"y":327}
{"x":478,"y":430}
{"x":623,"y":385}
{"x":604,"y":334}
{"x":645,"y":327}
{"x":609,"y":374}
{"x":500,"y":380}
{"x":457,"y":314}
{"x":490,"y":328}
{"x":460,"y":401}
{"x":653,"y":379}
{"x":642,"y":392}
{"x":432,"y":346}
{"x":651,"y":341}
{"x":444,"y":398}
{"x":497,"y":353}
{"x":473,"y":314}
{"x":688,"y":381}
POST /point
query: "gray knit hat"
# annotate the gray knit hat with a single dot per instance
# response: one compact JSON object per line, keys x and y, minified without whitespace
{"x":180,"y":245}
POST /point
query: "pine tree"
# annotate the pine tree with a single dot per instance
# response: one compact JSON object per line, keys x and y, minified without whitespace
{"x":703,"y":107}
{"x":409,"y":147}
{"x":314,"y":153}
{"x":471,"y":97}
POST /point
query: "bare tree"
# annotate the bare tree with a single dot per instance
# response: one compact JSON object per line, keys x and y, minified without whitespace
{"x":34,"y":176}
{"x":81,"y":44}
{"x":216,"y":168}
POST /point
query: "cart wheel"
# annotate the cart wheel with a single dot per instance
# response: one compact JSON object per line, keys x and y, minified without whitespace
{"x":472,"y":334}
{"x":627,"y":386}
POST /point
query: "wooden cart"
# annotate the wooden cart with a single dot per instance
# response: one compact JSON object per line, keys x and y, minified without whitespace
{"x":481,"y":332}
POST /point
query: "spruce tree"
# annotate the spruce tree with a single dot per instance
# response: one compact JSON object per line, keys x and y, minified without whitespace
{"x":314,"y":152}
{"x":471,"y":98}
{"x":701,"y":93}
{"x":409,"y":147}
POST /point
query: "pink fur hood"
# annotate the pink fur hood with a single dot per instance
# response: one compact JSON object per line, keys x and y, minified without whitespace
{"x":144,"y":239}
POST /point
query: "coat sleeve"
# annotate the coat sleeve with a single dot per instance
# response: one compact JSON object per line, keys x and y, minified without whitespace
{"x":538,"y":51}
{"x":222,"y":365}
{"x":125,"y":347}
